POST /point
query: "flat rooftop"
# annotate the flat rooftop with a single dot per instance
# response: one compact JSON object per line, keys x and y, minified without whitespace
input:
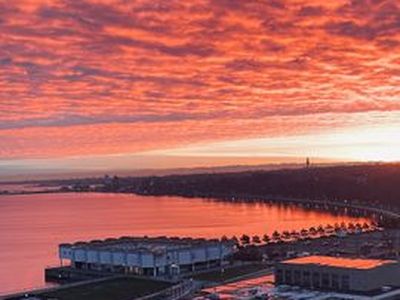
{"x":144,"y":244}
{"x":340,"y":262}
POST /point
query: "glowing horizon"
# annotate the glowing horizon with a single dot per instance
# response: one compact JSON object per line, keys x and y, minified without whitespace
{"x":109,"y":84}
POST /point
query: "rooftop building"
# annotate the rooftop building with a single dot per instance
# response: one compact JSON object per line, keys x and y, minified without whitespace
{"x":146,"y":256}
{"x":355,"y":275}
{"x":340,"y":262}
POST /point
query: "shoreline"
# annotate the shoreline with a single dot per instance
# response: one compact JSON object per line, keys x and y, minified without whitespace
{"x":249,"y":199}
{"x":373,"y":212}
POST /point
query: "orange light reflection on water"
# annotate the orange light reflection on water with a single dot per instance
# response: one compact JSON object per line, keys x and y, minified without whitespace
{"x":31,"y":226}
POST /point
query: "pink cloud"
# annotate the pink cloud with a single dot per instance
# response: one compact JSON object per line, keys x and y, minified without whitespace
{"x":103,"y":77}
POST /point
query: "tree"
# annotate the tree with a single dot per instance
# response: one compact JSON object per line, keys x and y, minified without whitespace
{"x":276,"y":235}
{"x":312,"y":231}
{"x":329,"y":227}
{"x":245,"y":239}
{"x":365,"y":226}
{"x":256,"y":239}
{"x":235,"y":240}
{"x":224,"y":238}
{"x":266,"y":239}
{"x":304,"y":232}
{"x":351,"y":226}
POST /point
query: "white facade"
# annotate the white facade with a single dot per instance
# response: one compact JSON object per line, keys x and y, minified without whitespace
{"x":156,"y":254}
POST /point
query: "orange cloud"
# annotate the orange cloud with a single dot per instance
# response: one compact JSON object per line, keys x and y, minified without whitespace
{"x":106,"y":76}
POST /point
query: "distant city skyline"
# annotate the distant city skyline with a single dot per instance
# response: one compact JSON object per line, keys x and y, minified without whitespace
{"x":95,"y":85}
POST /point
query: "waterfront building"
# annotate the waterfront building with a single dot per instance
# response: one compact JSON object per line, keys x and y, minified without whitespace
{"x":147,"y":256}
{"x":357,"y":276}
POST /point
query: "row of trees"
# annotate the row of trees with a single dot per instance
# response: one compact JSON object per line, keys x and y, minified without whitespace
{"x":293,"y":235}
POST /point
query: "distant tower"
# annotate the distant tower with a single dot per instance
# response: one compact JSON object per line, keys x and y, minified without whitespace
{"x":308,"y":163}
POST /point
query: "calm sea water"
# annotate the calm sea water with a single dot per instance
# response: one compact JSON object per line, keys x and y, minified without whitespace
{"x":31,"y":226}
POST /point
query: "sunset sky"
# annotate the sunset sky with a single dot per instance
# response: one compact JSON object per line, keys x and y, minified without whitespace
{"x":135,"y":84}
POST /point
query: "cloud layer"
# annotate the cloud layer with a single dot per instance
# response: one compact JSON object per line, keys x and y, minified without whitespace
{"x":93,"y":77}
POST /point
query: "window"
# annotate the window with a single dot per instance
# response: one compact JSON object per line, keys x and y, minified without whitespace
{"x":316,"y":280}
{"x":279,"y":276}
{"x":335,"y":281}
{"x":345,"y":282}
{"x":288,"y":277}
{"x":325,"y":282}
{"x":306,"y":279}
{"x":297,"y":277}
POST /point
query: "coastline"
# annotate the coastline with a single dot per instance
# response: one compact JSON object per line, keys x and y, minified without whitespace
{"x":376,"y":213}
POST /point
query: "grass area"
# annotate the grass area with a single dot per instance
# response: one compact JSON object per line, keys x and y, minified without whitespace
{"x":229,"y":273}
{"x":113,"y":289}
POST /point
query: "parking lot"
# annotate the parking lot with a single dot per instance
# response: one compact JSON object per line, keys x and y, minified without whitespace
{"x":380,"y":244}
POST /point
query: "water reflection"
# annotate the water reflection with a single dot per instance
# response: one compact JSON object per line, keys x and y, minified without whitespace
{"x":31,"y":226}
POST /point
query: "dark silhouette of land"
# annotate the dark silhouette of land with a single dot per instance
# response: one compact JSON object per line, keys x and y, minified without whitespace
{"x":374,"y":185}
{"x":371,"y":184}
